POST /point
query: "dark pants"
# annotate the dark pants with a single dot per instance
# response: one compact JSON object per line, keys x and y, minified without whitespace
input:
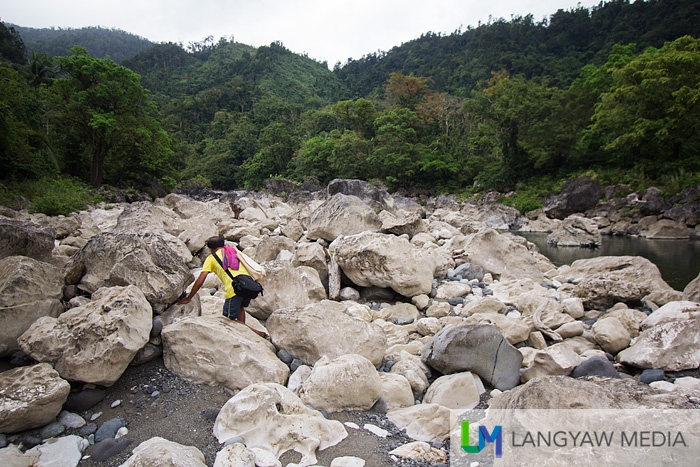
{"x":233,"y":305}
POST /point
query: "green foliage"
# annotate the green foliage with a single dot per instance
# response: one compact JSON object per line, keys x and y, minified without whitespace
{"x":48,"y":196}
{"x":650,"y":115}
{"x":676,"y":182}
{"x":505,"y":102}
{"x":106,"y":114}
{"x":555,"y":48}
{"x":12,"y":50}
{"x":528,"y":195}
{"x":24,"y":152}
{"x":99,"y":42}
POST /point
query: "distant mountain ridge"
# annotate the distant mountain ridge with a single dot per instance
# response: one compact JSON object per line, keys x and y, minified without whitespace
{"x":555,"y":49}
{"x":100,"y":42}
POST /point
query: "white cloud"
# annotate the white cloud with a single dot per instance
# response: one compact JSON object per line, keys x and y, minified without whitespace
{"x":330,"y":30}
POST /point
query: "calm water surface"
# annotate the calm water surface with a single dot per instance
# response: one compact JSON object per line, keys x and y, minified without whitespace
{"x":678,"y":260}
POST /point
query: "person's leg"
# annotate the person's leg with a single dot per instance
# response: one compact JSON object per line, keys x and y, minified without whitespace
{"x":241,"y":317}
{"x":227,"y":306}
{"x":244,"y":302}
{"x":234,"y":307}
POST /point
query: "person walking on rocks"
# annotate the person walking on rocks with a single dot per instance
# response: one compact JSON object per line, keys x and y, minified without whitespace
{"x":222,"y":259}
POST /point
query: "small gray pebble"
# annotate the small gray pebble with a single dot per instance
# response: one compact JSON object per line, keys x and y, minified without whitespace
{"x":52,"y":430}
{"x":650,"y":375}
{"x":109,"y":447}
{"x":155,"y":394}
{"x":157,"y":327}
{"x":3,"y":441}
{"x":210,"y":413}
{"x":30,"y":441}
{"x":403,"y":320}
{"x":285,"y":356}
{"x":109,"y":429}
{"x":380,"y":406}
{"x":296,"y":363}
{"x":89,"y":429}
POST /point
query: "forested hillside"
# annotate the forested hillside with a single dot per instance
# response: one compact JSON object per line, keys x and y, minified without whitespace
{"x":510,"y":105}
{"x":555,"y":48}
{"x":99,"y":42}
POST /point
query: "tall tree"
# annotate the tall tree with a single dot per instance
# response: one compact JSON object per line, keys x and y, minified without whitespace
{"x":406,"y":92}
{"x":650,"y":116}
{"x":508,"y":136}
{"x":110,"y":115}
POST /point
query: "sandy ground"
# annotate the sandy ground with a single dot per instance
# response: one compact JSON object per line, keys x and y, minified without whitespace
{"x":184,"y":412}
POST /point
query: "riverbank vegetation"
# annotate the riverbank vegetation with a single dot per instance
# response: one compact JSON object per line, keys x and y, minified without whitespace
{"x":510,"y":106}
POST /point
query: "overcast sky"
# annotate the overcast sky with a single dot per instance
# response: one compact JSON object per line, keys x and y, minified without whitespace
{"x":327,"y":30}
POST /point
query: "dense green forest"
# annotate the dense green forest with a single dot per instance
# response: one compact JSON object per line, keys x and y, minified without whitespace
{"x":99,"y":42}
{"x":509,"y":105}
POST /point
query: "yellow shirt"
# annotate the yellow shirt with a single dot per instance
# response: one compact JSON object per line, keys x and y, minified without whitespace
{"x":211,"y":265}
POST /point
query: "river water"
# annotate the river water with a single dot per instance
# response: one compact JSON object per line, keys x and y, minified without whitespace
{"x":678,"y":260}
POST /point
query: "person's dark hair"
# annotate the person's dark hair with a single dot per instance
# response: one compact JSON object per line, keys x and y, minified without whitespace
{"x":215,"y":242}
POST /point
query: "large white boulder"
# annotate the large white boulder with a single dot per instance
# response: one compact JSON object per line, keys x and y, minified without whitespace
{"x":30,"y":397}
{"x":458,"y":391}
{"x":235,"y":455}
{"x":672,"y":311}
{"x":143,"y":260}
{"x":386,"y":261}
{"x":606,"y":280}
{"x":286,"y":286}
{"x":319,"y":329}
{"x":552,"y":313}
{"x":563,"y":392}
{"x":93,"y":343}
{"x":505,"y":256}
{"x":396,"y":390}
{"x":423,"y":422}
{"x":414,"y":370}
{"x":29,"y":290}
{"x":611,"y":335}
{"x":348,"y":382}
{"x":20,"y":238}
{"x":271,"y":417}
{"x":311,"y":254}
{"x":342,"y":215}
{"x":557,"y":359}
{"x":692,"y":290}
{"x":218,"y":351}
{"x":162,"y":452}
{"x":513,"y":329}
{"x":575,"y":231}
{"x":669,"y":346}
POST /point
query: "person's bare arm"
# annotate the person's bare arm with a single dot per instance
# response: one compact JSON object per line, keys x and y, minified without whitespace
{"x":195,"y":288}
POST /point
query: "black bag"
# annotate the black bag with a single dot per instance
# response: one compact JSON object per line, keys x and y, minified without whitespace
{"x":244,"y":285}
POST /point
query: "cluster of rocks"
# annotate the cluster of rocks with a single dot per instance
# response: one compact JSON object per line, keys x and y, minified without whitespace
{"x":582,"y":212}
{"x":372,"y":302}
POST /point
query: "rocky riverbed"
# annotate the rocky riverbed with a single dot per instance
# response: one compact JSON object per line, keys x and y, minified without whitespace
{"x":386,"y":317}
